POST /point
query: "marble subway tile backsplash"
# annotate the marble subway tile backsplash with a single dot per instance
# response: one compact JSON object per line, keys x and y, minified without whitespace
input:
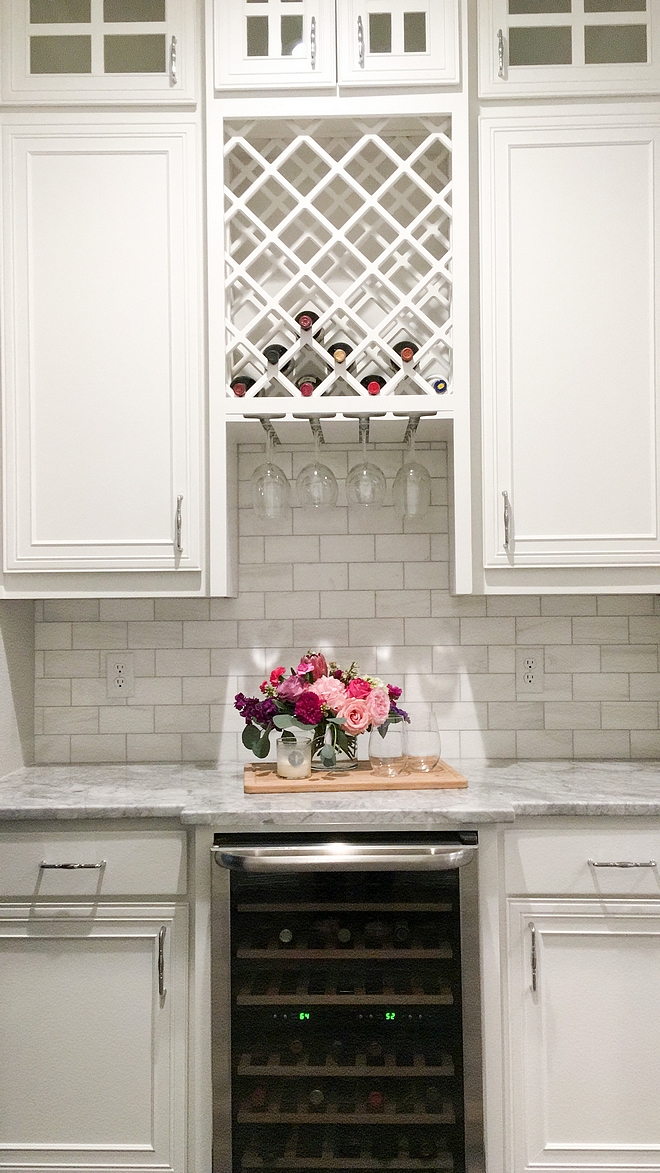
{"x":364,"y":587}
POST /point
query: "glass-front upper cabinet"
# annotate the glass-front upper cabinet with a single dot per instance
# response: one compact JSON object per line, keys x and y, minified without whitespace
{"x":546,"y":47}
{"x":286,"y":43}
{"x":69,"y":51}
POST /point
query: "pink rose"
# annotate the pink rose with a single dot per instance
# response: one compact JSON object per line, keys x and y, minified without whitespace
{"x":378,"y":706}
{"x":357,"y":716}
{"x":330,"y":692}
{"x":358,"y":688}
{"x":291,"y":688}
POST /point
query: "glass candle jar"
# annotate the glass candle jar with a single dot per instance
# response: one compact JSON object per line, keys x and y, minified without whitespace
{"x":294,"y":758}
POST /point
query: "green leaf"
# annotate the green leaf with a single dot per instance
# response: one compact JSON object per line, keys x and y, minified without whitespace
{"x":382,"y":729}
{"x":328,"y":756}
{"x":250,"y":737}
{"x":263,"y":747}
{"x":284,"y":720}
{"x":336,"y":720}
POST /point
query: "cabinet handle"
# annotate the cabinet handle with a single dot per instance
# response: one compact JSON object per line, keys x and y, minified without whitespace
{"x":507,"y":520}
{"x":161,"y":963}
{"x":177,"y":527}
{"x":312,"y":42}
{"x":622,"y":863}
{"x":70,"y":867}
{"x":532,"y":929}
{"x":360,"y":31}
{"x":173,"y":75}
{"x":500,"y":54}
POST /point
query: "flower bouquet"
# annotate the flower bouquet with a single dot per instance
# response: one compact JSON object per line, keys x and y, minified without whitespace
{"x":321,"y":701}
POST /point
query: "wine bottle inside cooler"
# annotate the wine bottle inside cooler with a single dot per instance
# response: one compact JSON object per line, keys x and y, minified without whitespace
{"x":241,"y":385}
{"x":373,"y":383}
{"x":306,"y":320}
{"x":406,"y":350}
{"x":273,"y":354}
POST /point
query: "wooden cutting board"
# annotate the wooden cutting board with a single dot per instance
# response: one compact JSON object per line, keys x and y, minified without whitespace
{"x":262,"y":779}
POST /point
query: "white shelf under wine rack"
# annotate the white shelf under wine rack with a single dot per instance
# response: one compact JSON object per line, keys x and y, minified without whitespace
{"x":349,"y":218}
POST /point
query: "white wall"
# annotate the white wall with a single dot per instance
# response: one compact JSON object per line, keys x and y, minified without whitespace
{"x":16,"y":684}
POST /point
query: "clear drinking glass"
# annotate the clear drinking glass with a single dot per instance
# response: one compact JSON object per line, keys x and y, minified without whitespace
{"x":387,"y":749}
{"x":423,"y":740}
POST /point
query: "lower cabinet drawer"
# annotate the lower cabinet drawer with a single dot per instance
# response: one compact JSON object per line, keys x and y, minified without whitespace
{"x":577,"y":862}
{"x":117,"y":863}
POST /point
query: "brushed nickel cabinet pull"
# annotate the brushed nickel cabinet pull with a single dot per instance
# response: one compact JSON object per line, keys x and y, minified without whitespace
{"x":360,"y":35}
{"x":507,"y":521}
{"x":312,"y":42}
{"x":500,"y":54}
{"x":161,"y":963}
{"x":177,"y":527}
{"x":173,"y":73}
{"x":622,"y":863}
{"x":70,"y":867}
{"x":532,"y":929}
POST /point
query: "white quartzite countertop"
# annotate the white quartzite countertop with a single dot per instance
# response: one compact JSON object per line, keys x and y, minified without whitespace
{"x":198,"y":794}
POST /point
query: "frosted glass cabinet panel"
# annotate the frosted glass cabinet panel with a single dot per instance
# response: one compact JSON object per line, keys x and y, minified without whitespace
{"x":570,"y":341}
{"x":547,"y":47}
{"x":399,"y":42}
{"x":69,"y":51}
{"x":101,"y":395}
{"x":262,"y":44}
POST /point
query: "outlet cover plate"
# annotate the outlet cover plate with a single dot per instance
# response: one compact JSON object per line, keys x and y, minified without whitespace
{"x":120,"y":674}
{"x":530,"y":678}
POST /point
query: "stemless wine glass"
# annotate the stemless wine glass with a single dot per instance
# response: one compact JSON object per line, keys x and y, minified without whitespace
{"x":365,"y":483}
{"x":411,"y":491}
{"x":271,"y":491}
{"x":423,"y":740}
{"x":387,"y":748}
{"x":316,"y":485}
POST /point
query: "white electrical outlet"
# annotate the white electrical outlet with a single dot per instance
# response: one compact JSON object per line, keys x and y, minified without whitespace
{"x":120,"y":673}
{"x":530,"y":678}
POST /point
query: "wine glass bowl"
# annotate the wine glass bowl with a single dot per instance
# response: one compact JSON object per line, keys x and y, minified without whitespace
{"x":271,"y":491}
{"x":411,"y":491}
{"x":423,"y":741}
{"x":316,"y":484}
{"x":387,"y":749}
{"x":366,"y":485}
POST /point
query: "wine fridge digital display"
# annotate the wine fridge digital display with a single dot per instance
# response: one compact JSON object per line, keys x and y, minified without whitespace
{"x":346,"y":1029}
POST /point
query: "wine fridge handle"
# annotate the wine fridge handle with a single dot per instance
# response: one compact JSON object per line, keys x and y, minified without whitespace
{"x":343,"y":857}
{"x":533,"y":958}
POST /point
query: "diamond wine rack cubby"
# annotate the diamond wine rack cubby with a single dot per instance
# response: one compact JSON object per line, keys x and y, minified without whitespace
{"x":349,"y":219}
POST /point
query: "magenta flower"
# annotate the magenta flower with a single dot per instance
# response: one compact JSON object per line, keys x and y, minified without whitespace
{"x":308,"y":709}
{"x":358,"y":688}
{"x":291,"y":688}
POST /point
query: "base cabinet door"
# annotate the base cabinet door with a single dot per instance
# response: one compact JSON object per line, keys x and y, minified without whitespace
{"x":584,"y":1032}
{"x":102,"y":398}
{"x":92,"y":1053}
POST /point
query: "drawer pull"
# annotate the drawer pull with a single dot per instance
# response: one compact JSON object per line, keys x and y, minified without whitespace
{"x":71,"y":867}
{"x":622,"y":863}
{"x":161,"y":962}
{"x":532,"y":928}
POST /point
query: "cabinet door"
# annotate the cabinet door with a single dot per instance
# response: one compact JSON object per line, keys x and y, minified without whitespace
{"x":102,"y":431}
{"x":585,"y":1043}
{"x":546,"y":47}
{"x":68,"y":51}
{"x":274,"y":44}
{"x":387,"y":43}
{"x":92,"y":1056}
{"x":570,"y":340}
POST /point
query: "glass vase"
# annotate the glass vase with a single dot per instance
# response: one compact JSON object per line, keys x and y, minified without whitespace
{"x":345,"y":759}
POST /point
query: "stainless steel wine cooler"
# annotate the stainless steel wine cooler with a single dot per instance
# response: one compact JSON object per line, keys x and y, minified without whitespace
{"x":346,"y":1023}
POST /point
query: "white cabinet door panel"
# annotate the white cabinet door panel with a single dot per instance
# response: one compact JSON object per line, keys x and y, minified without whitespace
{"x":585,"y":1044}
{"x":101,"y":388}
{"x":274,"y":44}
{"x":92,"y":1070}
{"x":570,"y":342}
{"x":397,"y":42}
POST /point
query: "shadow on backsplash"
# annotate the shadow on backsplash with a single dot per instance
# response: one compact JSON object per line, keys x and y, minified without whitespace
{"x":363,"y":586}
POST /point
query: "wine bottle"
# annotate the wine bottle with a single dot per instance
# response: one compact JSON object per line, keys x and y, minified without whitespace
{"x":374,"y":1054}
{"x":374,"y":1100}
{"x":373,"y":383}
{"x":241,"y":385}
{"x":439,"y":386}
{"x":285,"y":938}
{"x":327,"y":930}
{"x":306,"y":320}
{"x":376,"y":933}
{"x":401,"y":934}
{"x":316,"y":1100}
{"x":344,"y":937}
{"x":273,"y":353}
{"x":306,"y":385}
{"x":406,"y":350}
{"x":296,"y":1047}
{"x":340,"y":351}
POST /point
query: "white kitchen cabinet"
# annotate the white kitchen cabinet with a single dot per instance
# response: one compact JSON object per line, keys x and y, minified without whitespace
{"x":269,"y":44}
{"x":86,"y":51}
{"x":569,"y":351}
{"x":542,"y":48}
{"x":102,"y":396}
{"x":92,"y":1055}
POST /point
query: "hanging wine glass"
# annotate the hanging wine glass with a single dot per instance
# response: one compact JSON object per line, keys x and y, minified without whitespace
{"x":316,"y":485}
{"x":411,"y":491}
{"x":271,"y":491}
{"x":365,"y":483}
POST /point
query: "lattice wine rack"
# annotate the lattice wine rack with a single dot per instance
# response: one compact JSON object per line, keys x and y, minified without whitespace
{"x":351,"y":219}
